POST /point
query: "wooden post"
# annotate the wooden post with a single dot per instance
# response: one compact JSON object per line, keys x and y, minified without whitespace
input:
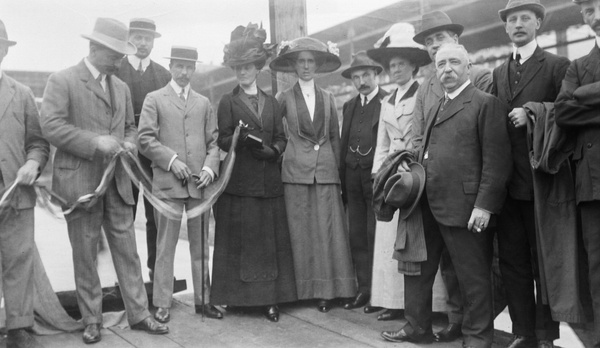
{"x":288,"y":21}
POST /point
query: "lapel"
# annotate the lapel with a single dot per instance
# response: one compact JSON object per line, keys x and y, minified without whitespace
{"x":90,"y":83}
{"x":456,"y":104}
{"x":174,"y":97}
{"x":242,"y":100}
{"x":504,"y":71}
{"x":349,"y":113}
{"x":305,"y":125}
{"x":191,"y":101}
{"x":534,"y":64}
{"x":7,"y":91}
{"x":592,"y":64}
{"x":377,"y":110}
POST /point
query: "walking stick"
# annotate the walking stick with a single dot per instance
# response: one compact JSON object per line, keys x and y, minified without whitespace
{"x":204,"y":226}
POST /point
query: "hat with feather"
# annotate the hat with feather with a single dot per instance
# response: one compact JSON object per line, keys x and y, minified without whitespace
{"x":247,"y":45}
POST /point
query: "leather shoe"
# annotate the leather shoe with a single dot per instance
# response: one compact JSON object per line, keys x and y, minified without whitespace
{"x":162,"y":315}
{"x":210,"y":311}
{"x":91,"y":334}
{"x":151,"y":326}
{"x":545,"y":344}
{"x":360,"y":300}
{"x":20,"y":338}
{"x":272,"y":313}
{"x":523,"y":342}
{"x":403,"y":336}
{"x":390,"y":314}
{"x":449,"y":333}
{"x":370,"y":309}
{"x":324,"y":306}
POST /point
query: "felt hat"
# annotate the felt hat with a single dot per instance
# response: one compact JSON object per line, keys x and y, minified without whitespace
{"x":184,"y":53}
{"x":143,"y":24}
{"x":4,"y":37}
{"x":404,"y":189}
{"x":361,"y":60}
{"x":436,"y":21}
{"x":397,"y":42}
{"x":247,"y":45}
{"x":112,"y":34}
{"x":516,"y":5}
{"x":328,"y":54}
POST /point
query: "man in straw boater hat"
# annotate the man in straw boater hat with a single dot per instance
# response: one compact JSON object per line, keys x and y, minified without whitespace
{"x":436,"y":29}
{"x":516,"y":82}
{"x":358,"y":141}
{"x":577,"y":109}
{"x":87,"y":114}
{"x":24,"y":153}
{"x":142,"y":75}
{"x":178,"y":133}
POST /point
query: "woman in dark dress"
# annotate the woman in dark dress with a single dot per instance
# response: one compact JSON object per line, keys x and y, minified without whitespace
{"x":252,"y":262}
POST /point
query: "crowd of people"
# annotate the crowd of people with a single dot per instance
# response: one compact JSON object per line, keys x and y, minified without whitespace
{"x":401,"y":211}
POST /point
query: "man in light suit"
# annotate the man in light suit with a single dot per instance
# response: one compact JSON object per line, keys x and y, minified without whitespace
{"x":87,"y":115}
{"x":178,"y":133}
{"x":23,"y":154}
{"x":467,"y":167}
{"x":358,"y":141}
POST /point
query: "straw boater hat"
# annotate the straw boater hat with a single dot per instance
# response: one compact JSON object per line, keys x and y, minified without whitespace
{"x":112,"y":34}
{"x":516,"y":5}
{"x":184,"y":53}
{"x":436,"y":21}
{"x":4,"y":37}
{"x":247,"y":45}
{"x":361,"y":61}
{"x":403,"y":190}
{"x":143,"y":24}
{"x":288,"y":50}
{"x":397,"y":42}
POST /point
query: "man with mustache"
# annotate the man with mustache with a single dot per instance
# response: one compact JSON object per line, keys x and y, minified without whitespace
{"x":577,"y":109}
{"x":359,"y":138}
{"x":516,"y":82}
{"x":142,"y":76}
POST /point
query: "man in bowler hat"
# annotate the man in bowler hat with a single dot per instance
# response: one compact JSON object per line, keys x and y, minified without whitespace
{"x":87,"y":114}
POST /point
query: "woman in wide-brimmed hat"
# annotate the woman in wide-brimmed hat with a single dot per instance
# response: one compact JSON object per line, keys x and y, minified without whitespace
{"x":310,"y":175}
{"x":252,"y":263}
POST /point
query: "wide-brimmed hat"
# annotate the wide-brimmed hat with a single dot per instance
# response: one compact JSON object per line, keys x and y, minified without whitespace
{"x":184,"y":53}
{"x":112,"y":34}
{"x":403,"y":190}
{"x":247,"y":45}
{"x":4,"y":37}
{"x":361,"y":60}
{"x":145,"y":25}
{"x":288,"y":50}
{"x":397,"y":42}
{"x":516,"y":5}
{"x":436,"y":21}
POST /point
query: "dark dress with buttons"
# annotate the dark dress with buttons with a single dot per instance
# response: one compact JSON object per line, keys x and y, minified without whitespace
{"x":252,"y":261}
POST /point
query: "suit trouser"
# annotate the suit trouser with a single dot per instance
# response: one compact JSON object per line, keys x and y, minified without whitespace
{"x":518,"y":264}
{"x":471,"y":255}
{"x":168,"y":235}
{"x":454,"y":302}
{"x":590,"y":226}
{"x":16,"y":247}
{"x":115,"y":216}
{"x":359,"y":191}
{"x":149,"y":213}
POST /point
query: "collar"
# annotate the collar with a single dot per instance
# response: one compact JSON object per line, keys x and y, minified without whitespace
{"x":93,"y":69}
{"x":403,"y":89}
{"x":371,"y":95}
{"x":458,"y":90}
{"x":177,"y":88}
{"x":306,"y":85}
{"x":135,"y":61}
{"x":252,"y":90}
{"x":525,"y":51}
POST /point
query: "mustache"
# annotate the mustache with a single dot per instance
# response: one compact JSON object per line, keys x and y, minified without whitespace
{"x":596,"y":24}
{"x":363,"y":87}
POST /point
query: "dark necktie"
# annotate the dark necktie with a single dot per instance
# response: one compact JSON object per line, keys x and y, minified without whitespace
{"x":518,"y":59}
{"x":140,"y":69}
{"x":364,"y":101}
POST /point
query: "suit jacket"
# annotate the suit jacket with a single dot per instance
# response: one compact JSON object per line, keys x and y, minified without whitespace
{"x":395,"y":131}
{"x":308,"y":159}
{"x":168,"y":127}
{"x":469,"y":161}
{"x":581,"y":116}
{"x":76,"y":110}
{"x":540,"y":83}
{"x":126,"y":73}
{"x":20,"y":136}
{"x":250,"y":176}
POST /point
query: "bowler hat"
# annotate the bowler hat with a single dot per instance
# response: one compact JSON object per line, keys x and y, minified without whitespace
{"x":143,"y":24}
{"x":516,"y":5}
{"x":404,"y":189}
{"x":247,"y":45}
{"x":4,"y":37}
{"x":112,"y":34}
{"x":361,"y":60}
{"x":397,"y":42}
{"x":436,"y":21}
{"x":327,"y":54}
{"x":184,"y":53}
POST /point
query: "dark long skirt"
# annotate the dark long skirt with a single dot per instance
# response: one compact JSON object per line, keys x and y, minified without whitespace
{"x":252,"y":261}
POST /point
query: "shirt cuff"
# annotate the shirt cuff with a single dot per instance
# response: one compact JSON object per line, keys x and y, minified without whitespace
{"x":171,"y":162}
{"x":209,"y":171}
{"x":487,"y":211}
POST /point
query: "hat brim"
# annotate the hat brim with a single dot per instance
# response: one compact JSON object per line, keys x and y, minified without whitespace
{"x":348,"y":72}
{"x":181,"y":58}
{"x":331,"y":62}
{"x":108,"y":42}
{"x":539,"y":9}
{"x":418,"y":168}
{"x":155,"y":33}
{"x":237,"y":62}
{"x":6,"y":42}
{"x":455,"y":28}
{"x":414,"y":54}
